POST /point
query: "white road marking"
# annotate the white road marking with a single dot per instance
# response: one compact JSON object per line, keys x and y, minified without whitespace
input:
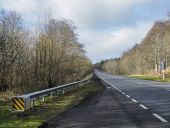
{"x":127,"y":96}
{"x":159,"y":117}
{"x":134,"y":100}
{"x":144,"y":107}
{"x":116,"y":88}
{"x":154,"y":114}
{"x":109,"y":83}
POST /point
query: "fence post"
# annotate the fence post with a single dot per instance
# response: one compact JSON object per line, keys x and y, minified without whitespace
{"x":33,"y":104}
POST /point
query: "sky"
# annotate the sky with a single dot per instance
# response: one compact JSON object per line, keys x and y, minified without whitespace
{"x":105,"y":27}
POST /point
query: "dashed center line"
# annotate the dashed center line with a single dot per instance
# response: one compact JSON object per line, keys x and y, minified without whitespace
{"x":134,"y":100}
{"x":127,"y":96}
{"x":159,"y":117}
{"x":116,"y":88}
{"x":144,"y":107}
{"x":141,"y":105}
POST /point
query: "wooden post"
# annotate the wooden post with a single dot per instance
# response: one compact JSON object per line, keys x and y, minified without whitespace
{"x":163,"y":74}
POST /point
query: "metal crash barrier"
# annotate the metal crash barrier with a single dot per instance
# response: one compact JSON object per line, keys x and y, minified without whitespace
{"x":23,"y":102}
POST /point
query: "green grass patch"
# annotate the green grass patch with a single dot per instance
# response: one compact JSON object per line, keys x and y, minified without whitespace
{"x":144,"y":77}
{"x":43,"y":110}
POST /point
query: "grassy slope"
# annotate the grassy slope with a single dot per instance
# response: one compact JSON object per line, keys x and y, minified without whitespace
{"x":153,"y":78}
{"x":49,"y":108}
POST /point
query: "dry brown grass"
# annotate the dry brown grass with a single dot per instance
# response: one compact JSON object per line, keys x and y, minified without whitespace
{"x":5,"y":96}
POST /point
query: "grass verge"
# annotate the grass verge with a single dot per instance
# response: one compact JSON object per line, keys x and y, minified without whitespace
{"x":153,"y":78}
{"x":44,"y":110}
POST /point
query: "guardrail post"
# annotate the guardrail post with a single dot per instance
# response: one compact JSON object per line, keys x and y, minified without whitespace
{"x":21,"y":103}
{"x":33,"y":104}
{"x":43,"y":99}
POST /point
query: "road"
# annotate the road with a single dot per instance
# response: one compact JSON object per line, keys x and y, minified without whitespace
{"x":125,"y":103}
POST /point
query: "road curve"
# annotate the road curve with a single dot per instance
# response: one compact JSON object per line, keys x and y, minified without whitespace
{"x":154,"y":95}
{"x":125,"y":103}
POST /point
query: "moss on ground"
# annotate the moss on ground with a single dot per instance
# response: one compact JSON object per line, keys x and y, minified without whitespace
{"x":43,"y":110}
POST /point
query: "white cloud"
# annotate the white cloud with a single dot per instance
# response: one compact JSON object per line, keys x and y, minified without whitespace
{"x":95,"y":20}
{"x":19,"y":5}
{"x":84,"y":13}
{"x":111,"y":44}
{"x":93,"y":13}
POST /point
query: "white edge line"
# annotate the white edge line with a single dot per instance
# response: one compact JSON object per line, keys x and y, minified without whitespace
{"x":154,"y":114}
{"x":118,"y":89}
{"x":127,"y":96}
{"x":144,"y":107}
{"x":110,"y":84}
{"x":159,"y":117}
{"x":134,"y":100}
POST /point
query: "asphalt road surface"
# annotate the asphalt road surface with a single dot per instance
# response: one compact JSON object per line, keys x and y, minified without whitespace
{"x":125,"y":103}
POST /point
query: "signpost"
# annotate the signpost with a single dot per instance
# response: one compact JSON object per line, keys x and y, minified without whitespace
{"x":162,"y":68}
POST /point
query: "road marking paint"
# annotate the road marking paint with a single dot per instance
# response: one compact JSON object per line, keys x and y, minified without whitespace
{"x":113,"y":86}
{"x":134,"y":100}
{"x":110,"y":84}
{"x":127,"y":96}
{"x":116,"y":88}
{"x":144,"y":107}
{"x":159,"y":117}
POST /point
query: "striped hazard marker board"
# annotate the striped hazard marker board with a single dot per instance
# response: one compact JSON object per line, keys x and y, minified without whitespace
{"x":18,"y":104}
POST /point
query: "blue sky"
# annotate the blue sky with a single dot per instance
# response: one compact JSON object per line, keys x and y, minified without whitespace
{"x":105,"y":27}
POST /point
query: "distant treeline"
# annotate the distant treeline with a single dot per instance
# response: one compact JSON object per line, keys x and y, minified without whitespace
{"x":39,"y":58}
{"x":146,"y":56}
